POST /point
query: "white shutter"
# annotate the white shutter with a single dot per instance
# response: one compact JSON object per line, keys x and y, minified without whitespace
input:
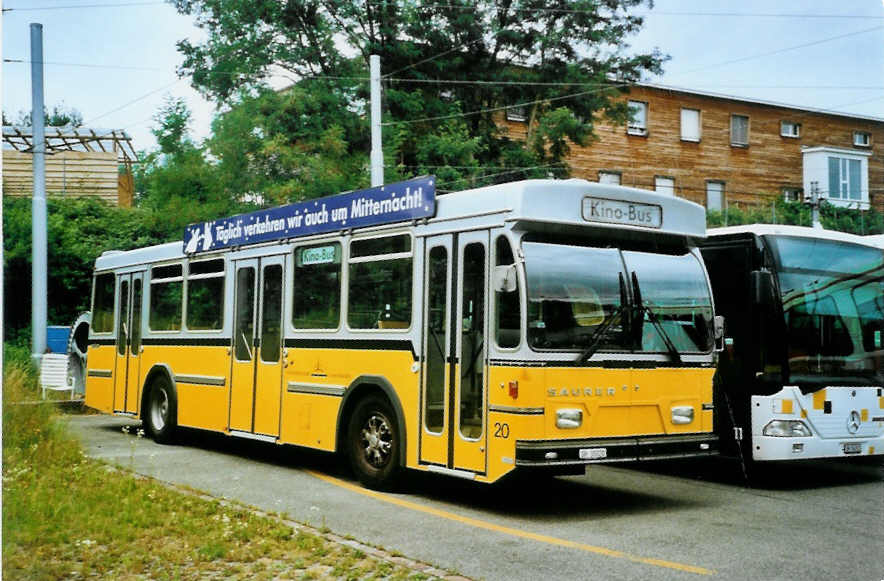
{"x":690,"y":124}
{"x":664,"y":186}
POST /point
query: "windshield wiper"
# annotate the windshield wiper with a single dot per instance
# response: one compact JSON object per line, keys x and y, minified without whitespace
{"x":596,"y":338}
{"x":641,"y":308}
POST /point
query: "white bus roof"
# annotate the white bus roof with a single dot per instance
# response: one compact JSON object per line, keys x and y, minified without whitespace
{"x":804,"y":231}
{"x":526,"y":203}
{"x":877,"y":239}
{"x":560,"y":202}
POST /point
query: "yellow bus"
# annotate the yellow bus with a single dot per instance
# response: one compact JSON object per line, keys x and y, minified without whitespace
{"x":543,"y":324}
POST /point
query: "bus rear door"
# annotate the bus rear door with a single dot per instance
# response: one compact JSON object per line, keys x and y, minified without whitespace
{"x":128,"y":343}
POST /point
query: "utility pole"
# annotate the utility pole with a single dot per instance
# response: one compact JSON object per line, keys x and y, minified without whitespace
{"x":815,"y":205}
{"x":38,"y":201}
{"x":377,"y":152}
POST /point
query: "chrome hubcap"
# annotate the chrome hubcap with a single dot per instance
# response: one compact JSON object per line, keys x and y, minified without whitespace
{"x":160,"y":409}
{"x":377,"y":440}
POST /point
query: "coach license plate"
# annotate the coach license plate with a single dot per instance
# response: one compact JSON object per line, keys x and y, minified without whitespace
{"x":593,"y":453}
{"x":853,"y":448}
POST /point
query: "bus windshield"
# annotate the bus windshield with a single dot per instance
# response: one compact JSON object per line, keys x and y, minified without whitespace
{"x":575,"y":290}
{"x":833,"y":301}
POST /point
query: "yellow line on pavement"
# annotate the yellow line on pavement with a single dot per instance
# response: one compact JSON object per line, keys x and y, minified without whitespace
{"x":511,"y":531}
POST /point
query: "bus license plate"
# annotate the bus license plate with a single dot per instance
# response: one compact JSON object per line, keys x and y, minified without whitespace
{"x":853,"y":448}
{"x":593,"y":453}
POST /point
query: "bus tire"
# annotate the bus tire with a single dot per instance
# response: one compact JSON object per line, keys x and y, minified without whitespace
{"x":373,"y":443}
{"x":162,"y":410}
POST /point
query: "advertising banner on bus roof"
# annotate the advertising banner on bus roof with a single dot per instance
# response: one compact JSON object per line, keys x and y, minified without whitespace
{"x":398,"y":202}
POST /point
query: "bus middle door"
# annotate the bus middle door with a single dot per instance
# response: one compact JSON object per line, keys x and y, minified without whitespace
{"x":256,"y":367}
{"x":453,"y":431}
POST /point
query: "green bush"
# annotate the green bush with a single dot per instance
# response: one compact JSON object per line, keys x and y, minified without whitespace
{"x":78,"y":231}
{"x":860,"y":222}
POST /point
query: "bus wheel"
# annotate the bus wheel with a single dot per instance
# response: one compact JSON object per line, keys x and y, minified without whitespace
{"x":373,"y":443}
{"x":161,"y":411}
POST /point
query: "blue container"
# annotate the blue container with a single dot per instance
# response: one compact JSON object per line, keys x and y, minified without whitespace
{"x":57,"y":338}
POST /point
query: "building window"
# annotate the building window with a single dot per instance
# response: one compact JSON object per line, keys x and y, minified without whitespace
{"x":740,"y":130}
{"x":690,"y":125}
{"x":664,"y":185}
{"x":519,"y":114}
{"x":839,"y":174}
{"x":638,"y":118}
{"x":790,"y":129}
{"x":715,"y":196}
{"x":845,"y":182}
{"x":609,"y":177}
{"x":862,"y":138}
{"x":792,"y":194}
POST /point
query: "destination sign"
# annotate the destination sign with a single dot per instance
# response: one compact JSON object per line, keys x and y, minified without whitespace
{"x":398,"y":202}
{"x":620,"y":212}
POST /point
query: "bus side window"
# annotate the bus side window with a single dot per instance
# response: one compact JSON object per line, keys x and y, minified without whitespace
{"x":316,"y":301}
{"x":166,"y":297}
{"x":103,"y":304}
{"x":380,"y":283}
{"x":205,"y":295}
{"x":507,"y":307}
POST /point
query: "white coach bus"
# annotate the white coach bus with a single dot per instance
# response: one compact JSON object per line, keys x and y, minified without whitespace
{"x":802,"y":375}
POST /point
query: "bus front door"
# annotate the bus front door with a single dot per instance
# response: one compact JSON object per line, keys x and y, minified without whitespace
{"x":128,"y":343}
{"x":453,"y":415}
{"x":256,"y":367}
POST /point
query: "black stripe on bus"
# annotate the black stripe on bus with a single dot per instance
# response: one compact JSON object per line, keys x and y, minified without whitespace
{"x":362,"y":344}
{"x":189,"y":341}
{"x":625,"y":364}
{"x":110,"y":341}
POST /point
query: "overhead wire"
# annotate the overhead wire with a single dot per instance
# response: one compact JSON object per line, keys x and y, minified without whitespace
{"x":583,"y":93}
{"x":70,"y":6}
{"x":86,"y":65}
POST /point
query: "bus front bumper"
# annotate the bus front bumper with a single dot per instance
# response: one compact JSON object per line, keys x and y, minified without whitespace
{"x":601,"y":450}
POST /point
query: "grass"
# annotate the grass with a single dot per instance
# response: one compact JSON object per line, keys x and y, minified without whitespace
{"x":69,"y":516}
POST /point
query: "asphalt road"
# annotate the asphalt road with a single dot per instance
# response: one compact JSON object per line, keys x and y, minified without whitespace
{"x":681,"y":520}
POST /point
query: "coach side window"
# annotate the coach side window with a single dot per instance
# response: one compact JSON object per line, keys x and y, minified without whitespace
{"x":205,"y":295}
{"x":380,"y":283}
{"x":103,"y":304}
{"x":316,"y":302}
{"x":166,"y":294}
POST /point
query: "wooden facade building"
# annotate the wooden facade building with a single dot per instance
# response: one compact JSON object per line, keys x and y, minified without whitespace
{"x":79,"y":162}
{"x":724,"y":151}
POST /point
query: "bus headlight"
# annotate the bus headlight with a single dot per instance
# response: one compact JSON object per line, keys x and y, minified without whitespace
{"x":786,"y":429}
{"x":569,"y":419}
{"x":682,"y":414}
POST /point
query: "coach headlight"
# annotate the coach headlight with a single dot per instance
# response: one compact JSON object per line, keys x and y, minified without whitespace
{"x":786,"y":429}
{"x":569,"y":419}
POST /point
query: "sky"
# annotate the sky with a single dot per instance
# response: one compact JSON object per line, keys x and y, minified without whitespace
{"x":116,"y":64}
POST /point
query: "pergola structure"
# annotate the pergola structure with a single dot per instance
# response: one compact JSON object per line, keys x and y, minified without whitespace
{"x":80,"y":161}
{"x":69,"y":138}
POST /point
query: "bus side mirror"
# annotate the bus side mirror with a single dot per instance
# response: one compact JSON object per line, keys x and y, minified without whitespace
{"x":762,"y":287}
{"x":718,"y":332}
{"x":504,"y":278}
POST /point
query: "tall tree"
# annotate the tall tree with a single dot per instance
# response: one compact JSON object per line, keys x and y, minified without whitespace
{"x":450,"y":67}
{"x":179,"y":181}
